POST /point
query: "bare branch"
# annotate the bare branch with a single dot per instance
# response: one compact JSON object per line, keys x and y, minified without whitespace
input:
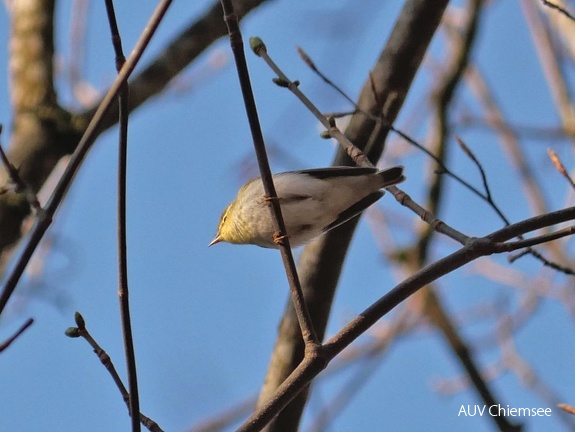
{"x":308,"y":333}
{"x":311,"y":366}
{"x":45,"y":132}
{"x":321,"y":261}
{"x":16,"y":335}
{"x":45,"y":217}
{"x":123,"y":290}
{"x":560,"y":167}
{"x":82,"y":331}
{"x":16,"y":184}
{"x":558,"y":8}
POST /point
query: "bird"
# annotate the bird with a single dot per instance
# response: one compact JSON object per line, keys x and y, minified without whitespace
{"x":312,"y":202}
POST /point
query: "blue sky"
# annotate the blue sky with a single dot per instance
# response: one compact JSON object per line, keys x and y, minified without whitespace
{"x":205,"y":320}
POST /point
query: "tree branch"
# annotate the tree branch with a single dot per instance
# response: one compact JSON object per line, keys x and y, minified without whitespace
{"x":43,"y":131}
{"x":321,"y":261}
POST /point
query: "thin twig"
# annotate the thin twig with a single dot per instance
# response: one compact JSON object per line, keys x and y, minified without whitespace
{"x":474,"y":159}
{"x":105,"y":359}
{"x":355,"y":153}
{"x":442,"y":167}
{"x":435,"y":223}
{"x":45,"y":216}
{"x":544,"y":238}
{"x":308,"y":333}
{"x":560,"y":167}
{"x":400,"y":195}
{"x":405,"y":200}
{"x":123,"y":290}
{"x":12,"y":338}
{"x":532,"y":224}
{"x":517,"y":157}
{"x":17,"y":184}
{"x":488,"y":199}
{"x":307,"y":59}
{"x":558,"y":8}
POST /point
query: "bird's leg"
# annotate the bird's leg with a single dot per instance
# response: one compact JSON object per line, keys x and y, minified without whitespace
{"x":269,"y":199}
{"x":279,"y":239}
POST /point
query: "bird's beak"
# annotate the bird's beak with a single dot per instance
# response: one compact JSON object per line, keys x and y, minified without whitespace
{"x":216,"y":239}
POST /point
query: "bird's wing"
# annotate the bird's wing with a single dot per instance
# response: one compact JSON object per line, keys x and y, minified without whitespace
{"x":354,"y":210}
{"x":289,"y":198}
{"x":342,"y":171}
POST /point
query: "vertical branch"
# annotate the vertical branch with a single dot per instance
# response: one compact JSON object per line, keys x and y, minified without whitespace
{"x":37,"y":146}
{"x":307,"y":331}
{"x":123,"y":291}
{"x":30,"y":67}
{"x":321,"y":261}
{"x":45,"y":216}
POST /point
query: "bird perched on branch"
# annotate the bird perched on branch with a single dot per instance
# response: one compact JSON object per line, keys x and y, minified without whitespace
{"x":312,"y":202}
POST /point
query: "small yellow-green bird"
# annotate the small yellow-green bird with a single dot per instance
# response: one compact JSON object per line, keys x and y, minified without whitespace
{"x":312,"y":202}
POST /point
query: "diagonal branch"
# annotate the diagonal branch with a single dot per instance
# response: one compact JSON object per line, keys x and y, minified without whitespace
{"x":44,"y":218}
{"x":310,"y":367}
{"x":43,"y":132}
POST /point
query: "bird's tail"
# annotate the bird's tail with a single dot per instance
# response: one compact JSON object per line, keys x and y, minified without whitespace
{"x":391,"y":176}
